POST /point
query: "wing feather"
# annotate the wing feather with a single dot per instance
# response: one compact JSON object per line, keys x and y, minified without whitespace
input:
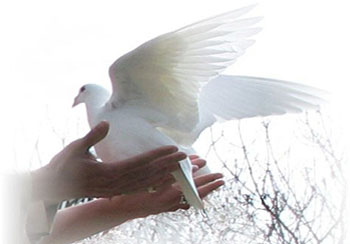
{"x":238,"y":97}
{"x":168,"y":72}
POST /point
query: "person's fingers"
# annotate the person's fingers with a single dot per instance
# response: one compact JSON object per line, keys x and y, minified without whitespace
{"x":95,"y":135}
{"x":155,"y":171}
{"x":179,"y":206}
{"x":195,"y":168}
{"x":143,"y":159}
{"x":208,"y":188}
{"x":144,"y":170}
{"x":205,"y":185}
{"x":199,"y":162}
{"x":205,"y":179}
{"x":161,"y":170}
{"x":169,"y":162}
{"x":157,"y":174}
{"x":192,"y":157}
{"x":140,"y":178}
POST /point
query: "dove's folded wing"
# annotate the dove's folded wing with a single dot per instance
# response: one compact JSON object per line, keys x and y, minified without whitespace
{"x":168,"y":72}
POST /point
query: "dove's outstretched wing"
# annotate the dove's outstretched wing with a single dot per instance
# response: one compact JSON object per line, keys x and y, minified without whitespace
{"x":238,"y":97}
{"x":167,"y":72}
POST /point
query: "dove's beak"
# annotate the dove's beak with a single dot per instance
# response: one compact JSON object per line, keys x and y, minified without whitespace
{"x":76,"y":102}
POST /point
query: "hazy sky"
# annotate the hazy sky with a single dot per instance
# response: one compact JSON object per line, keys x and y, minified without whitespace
{"x":48,"y":49}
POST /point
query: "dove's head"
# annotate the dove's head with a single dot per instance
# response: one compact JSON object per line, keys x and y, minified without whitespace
{"x":92,"y":95}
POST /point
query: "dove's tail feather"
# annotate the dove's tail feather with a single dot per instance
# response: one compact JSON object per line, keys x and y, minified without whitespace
{"x":184,"y":177}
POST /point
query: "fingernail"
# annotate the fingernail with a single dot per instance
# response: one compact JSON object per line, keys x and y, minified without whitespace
{"x":173,"y":148}
{"x":221,"y":182}
{"x":182,"y":155}
{"x":102,"y":124}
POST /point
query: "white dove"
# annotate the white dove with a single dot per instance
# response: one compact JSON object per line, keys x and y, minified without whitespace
{"x":169,"y":89}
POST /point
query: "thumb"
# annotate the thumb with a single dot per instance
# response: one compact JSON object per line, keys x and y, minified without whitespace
{"x":95,"y":135}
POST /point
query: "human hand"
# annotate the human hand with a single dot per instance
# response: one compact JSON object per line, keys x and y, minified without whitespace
{"x":165,"y":199}
{"x":75,"y":172}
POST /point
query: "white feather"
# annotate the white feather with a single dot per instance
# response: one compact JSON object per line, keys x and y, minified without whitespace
{"x":239,"y":97}
{"x":160,"y":71}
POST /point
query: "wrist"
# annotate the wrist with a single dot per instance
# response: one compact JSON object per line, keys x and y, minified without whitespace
{"x":124,"y":206}
{"x":42,"y":189}
{"x":111,"y":212}
{"x":37,"y":180}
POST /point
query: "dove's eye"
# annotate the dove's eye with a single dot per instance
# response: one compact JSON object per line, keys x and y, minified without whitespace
{"x":82,"y":89}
